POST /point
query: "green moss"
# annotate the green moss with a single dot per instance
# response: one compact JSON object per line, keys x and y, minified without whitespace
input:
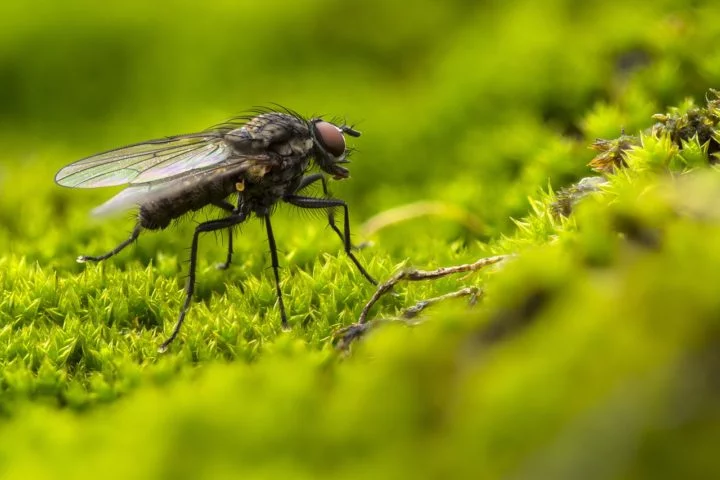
{"x":592,"y":353}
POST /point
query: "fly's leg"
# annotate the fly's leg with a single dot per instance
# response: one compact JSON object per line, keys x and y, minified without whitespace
{"x":228,"y":207}
{"x":310,"y":202}
{"x":211,"y":226}
{"x":114,"y":251}
{"x":275,"y":267}
{"x":309,"y":180}
{"x":226,"y":264}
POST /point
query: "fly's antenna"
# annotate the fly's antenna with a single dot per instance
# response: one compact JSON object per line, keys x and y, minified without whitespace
{"x":349,"y":130}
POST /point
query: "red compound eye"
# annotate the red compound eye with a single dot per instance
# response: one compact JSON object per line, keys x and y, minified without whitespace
{"x":331,"y":138}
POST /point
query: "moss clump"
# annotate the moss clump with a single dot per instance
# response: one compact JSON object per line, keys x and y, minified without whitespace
{"x":592,"y":353}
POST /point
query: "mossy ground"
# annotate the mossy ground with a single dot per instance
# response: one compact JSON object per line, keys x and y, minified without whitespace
{"x":592,"y":354}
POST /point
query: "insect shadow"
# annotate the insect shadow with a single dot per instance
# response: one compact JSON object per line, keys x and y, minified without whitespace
{"x":264,"y":157}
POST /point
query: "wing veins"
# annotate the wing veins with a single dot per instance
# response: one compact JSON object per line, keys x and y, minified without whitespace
{"x":196,"y":144}
{"x":128,"y":166}
{"x":99,"y":157}
{"x":167,"y":162}
{"x":138,"y":194}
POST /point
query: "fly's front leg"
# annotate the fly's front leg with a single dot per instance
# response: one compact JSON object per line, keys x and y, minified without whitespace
{"x":313,"y":203}
{"x":211,"y":226}
{"x":133,"y":236}
{"x":319,"y":177}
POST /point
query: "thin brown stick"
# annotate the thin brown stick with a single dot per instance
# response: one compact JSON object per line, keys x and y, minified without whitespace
{"x":412,"y":274}
{"x":345,"y":336}
{"x":415,"y":310}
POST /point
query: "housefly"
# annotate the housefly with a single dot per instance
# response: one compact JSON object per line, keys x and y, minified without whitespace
{"x":263,"y":158}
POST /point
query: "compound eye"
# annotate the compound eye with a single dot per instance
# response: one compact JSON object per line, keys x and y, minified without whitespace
{"x":331,"y":138}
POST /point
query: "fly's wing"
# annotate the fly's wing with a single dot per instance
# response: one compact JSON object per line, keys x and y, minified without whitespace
{"x":149,"y":161}
{"x":131,"y":197}
{"x":136,"y":195}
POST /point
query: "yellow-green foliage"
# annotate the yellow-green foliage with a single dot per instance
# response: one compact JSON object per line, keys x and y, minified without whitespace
{"x":593,"y":352}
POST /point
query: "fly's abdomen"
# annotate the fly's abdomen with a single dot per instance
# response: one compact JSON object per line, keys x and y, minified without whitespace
{"x":157,"y":213}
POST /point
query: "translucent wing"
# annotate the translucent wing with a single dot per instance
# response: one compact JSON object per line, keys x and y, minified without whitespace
{"x":147,"y":161}
{"x":131,"y":197}
{"x":136,"y":195}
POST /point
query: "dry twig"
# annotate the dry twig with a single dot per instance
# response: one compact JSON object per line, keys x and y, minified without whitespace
{"x":345,"y":336}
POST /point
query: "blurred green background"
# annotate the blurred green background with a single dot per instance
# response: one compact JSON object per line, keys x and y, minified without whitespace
{"x":473,"y":103}
{"x":473,"y":106}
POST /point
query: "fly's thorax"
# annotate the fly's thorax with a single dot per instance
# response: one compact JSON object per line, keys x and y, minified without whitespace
{"x":297,"y":146}
{"x":302,"y":146}
{"x":273,"y":131}
{"x":281,"y":175}
{"x":256,"y":173}
{"x":263,"y":187}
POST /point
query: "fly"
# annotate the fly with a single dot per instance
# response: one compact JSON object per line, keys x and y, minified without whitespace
{"x":262,"y":158}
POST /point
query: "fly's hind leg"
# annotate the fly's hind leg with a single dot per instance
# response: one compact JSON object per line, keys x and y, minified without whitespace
{"x":228,"y":260}
{"x":228,"y":207}
{"x":133,"y":236}
{"x":211,"y":226}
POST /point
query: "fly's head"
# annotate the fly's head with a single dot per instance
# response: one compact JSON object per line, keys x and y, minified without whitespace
{"x":329,"y":146}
